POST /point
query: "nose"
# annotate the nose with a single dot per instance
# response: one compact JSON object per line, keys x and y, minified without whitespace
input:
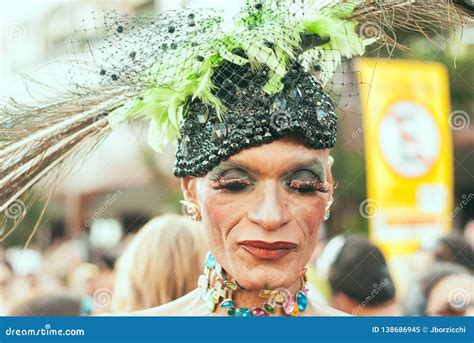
{"x":269,"y":209}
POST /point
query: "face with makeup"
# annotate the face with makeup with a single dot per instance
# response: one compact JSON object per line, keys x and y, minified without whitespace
{"x":262,"y":209}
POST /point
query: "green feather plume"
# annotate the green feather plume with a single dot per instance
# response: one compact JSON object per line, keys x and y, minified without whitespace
{"x":267,"y":33}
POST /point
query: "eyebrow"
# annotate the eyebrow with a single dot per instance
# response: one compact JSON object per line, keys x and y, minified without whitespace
{"x":294,"y":166}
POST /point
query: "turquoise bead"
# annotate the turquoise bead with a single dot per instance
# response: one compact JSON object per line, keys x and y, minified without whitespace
{"x":302,"y":301}
{"x":242,"y":312}
{"x":210,"y":260}
{"x":218,"y":268}
{"x":227,"y":303}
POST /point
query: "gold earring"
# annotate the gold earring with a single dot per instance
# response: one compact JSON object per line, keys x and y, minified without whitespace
{"x":191,"y":209}
{"x":327,"y":213}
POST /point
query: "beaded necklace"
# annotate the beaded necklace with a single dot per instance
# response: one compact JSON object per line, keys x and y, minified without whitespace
{"x":218,"y":291}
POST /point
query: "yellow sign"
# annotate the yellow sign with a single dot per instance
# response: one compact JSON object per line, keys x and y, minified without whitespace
{"x":408,"y":152}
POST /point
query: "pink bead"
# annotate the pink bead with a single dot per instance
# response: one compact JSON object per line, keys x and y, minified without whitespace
{"x":259,"y":312}
{"x":289,"y":306}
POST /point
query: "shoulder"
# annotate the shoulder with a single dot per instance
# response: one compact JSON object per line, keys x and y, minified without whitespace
{"x":317,"y":309}
{"x":188,"y":305}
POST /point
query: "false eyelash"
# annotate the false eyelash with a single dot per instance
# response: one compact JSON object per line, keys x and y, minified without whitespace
{"x":312,"y":185}
{"x":223,"y":183}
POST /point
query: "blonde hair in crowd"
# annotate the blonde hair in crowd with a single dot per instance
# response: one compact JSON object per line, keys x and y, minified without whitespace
{"x":161,"y":264}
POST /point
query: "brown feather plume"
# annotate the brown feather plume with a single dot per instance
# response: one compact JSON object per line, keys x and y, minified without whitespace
{"x":43,"y":137}
{"x":382,"y":18}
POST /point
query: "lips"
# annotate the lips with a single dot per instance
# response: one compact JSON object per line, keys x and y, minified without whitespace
{"x":268,"y":250}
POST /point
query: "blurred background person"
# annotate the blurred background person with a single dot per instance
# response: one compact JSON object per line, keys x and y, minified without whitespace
{"x":456,"y":249}
{"x":6,"y":276}
{"x":47,"y":305}
{"x":161,"y":264}
{"x":25,"y":277}
{"x":30,"y":277}
{"x":106,"y":264}
{"x":469,"y":233}
{"x":358,"y":274}
{"x":446,"y":289}
{"x":83,"y":282}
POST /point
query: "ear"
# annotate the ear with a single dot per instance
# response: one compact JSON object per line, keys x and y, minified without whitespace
{"x":188,"y":187}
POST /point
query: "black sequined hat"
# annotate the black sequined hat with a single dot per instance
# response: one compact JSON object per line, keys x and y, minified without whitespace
{"x":216,"y":87}
{"x":254,"y":117}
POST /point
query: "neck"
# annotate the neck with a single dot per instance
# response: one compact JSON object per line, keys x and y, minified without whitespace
{"x":223,"y":295}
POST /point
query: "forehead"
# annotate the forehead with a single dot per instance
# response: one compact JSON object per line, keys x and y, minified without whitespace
{"x":439,"y":294}
{"x":277,"y":157}
{"x":465,"y":281}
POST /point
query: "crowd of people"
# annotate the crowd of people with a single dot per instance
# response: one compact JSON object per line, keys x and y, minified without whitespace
{"x":163,"y":260}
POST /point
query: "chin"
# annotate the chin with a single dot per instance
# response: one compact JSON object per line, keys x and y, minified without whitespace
{"x":266,"y":279}
{"x":255,"y":274}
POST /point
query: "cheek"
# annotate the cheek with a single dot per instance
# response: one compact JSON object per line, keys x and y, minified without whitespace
{"x":220,"y":213}
{"x":214,"y":210}
{"x":308,"y":214}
